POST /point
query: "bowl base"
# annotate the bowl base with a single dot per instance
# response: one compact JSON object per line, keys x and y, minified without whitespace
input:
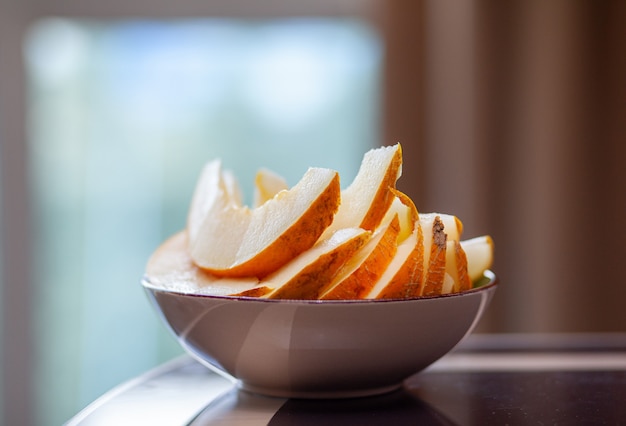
{"x":300,"y":394}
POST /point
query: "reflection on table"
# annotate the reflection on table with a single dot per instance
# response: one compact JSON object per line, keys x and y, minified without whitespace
{"x":488,"y":379}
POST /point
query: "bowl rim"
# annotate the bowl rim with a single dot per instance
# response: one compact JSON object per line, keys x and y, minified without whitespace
{"x":488,"y":274}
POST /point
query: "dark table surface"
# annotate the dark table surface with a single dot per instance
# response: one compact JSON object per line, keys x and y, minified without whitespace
{"x":512,"y":379}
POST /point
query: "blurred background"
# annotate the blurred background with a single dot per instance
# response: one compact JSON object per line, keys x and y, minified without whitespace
{"x":512,"y":115}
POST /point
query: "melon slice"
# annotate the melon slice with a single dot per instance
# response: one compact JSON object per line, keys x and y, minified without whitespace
{"x":266,"y":185}
{"x":228,"y":239}
{"x":366,"y":200}
{"x":403,"y":276}
{"x":479,"y":253}
{"x":309,"y":275}
{"x":457,"y":278}
{"x":365,"y":268}
{"x":170,"y":267}
{"x":434,"y":254}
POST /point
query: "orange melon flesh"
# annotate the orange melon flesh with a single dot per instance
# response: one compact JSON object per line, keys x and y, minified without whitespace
{"x":231,"y":240}
{"x":463,"y":280}
{"x":170,"y":267}
{"x":405,"y":209}
{"x":365,"y":202}
{"x":258,"y":291}
{"x":309,"y":275}
{"x":434,"y":254}
{"x":403,"y":276}
{"x":456,"y":269}
{"x":316,"y":241}
{"x":446,"y":264}
{"x":361,"y":273}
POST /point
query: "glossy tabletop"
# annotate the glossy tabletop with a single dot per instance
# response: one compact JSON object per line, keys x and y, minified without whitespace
{"x":487,"y":380}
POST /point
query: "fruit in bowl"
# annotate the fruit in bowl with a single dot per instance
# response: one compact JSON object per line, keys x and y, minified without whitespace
{"x":318,"y":291}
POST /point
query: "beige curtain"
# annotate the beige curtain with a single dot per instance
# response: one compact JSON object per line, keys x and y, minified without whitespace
{"x":512,"y":115}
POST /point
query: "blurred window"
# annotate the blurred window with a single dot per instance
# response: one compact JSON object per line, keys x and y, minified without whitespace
{"x":122,"y":116}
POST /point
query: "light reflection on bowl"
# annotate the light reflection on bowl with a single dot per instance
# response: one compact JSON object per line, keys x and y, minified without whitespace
{"x":320,"y":349}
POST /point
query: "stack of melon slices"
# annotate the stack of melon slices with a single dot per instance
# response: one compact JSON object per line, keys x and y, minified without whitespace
{"x":317,"y":241}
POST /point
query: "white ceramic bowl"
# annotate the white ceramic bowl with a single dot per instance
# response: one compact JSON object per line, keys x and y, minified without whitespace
{"x":320,"y":349}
